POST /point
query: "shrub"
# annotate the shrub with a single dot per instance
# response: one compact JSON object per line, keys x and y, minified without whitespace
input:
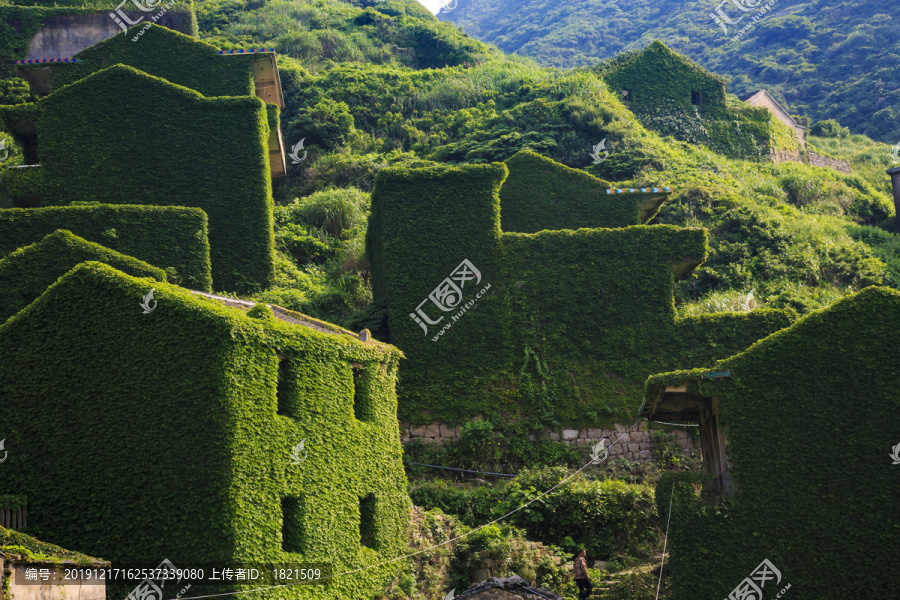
{"x":829,"y":128}
{"x":334,"y":211}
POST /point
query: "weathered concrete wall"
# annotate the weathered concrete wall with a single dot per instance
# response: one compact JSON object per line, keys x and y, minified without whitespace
{"x":817,"y":160}
{"x":78,"y":589}
{"x":764,"y":101}
{"x":64,"y":36}
{"x":635,"y":445}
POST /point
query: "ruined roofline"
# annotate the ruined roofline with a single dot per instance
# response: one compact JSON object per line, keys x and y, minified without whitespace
{"x":288,"y":316}
{"x":750,"y":97}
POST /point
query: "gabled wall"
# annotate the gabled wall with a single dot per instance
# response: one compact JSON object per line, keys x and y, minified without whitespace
{"x":173,"y":238}
{"x":120,"y":136}
{"x":657,"y":74}
{"x":28,"y":272}
{"x":170,"y":55}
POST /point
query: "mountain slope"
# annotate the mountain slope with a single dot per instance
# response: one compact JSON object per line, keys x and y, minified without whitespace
{"x":369,"y":84}
{"x":825,"y":58}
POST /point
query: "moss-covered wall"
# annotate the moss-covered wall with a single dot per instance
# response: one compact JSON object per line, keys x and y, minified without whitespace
{"x":657,"y":74}
{"x":810,"y":418}
{"x":558,"y":335}
{"x":16,"y":542}
{"x":122,"y":136}
{"x":173,"y":238}
{"x":542,"y":194}
{"x":170,"y":55}
{"x":24,"y":185}
{"x":176,"y":414}
{"x":663,"y":94}
{"x":28,"y":272}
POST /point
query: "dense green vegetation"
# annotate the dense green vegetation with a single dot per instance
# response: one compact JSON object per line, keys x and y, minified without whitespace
{"x":169,"y":237}
{"x":358,"y":117}
{"x":800,"y":51}
{"x":195,"y":428}
{"x":28,"y":272}
{"x":555,"y":335}
{"x":15,"y":543}
{"x":373,"y":84}
{"x":227,"y":134}
{"x":607,"y":517}
{"x":786,"y":397}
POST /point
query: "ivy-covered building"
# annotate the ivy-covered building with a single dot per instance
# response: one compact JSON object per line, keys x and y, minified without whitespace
{"x":173,"y":425}
{"x":672,"y":94}
{"x":155,"y":117}
{"x":800,"y":443}
{"x":173,"y":238}
{"x":561,"y":325}
{"x":28,"y":272}
{"x":656,"y":75}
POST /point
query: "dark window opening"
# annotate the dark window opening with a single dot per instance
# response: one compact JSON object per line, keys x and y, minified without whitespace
{"x":715,"y":460}
{"x":362,"y":408}
{"x":282,"y":393}
{"x":697,"y":98}
{"x":367,"y":528}
{"x":293,"y":534}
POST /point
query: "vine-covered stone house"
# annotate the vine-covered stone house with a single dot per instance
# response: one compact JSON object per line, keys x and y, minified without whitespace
{"x":534,"y":290}
{"x":800,"y":441}
{"x":162,"y":120}
{"x":168,"y":425}
{"x":672,"y":94}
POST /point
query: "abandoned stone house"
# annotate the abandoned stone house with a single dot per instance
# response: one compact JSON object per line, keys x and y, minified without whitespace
{"x":251,"y":435}
{"x":797,"y":435}
{"x":198,"y":105}
{"x":764,"y":99}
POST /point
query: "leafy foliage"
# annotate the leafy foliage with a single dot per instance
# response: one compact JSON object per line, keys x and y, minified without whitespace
{"x":799,"y":51}
{"x":27,"y":272}
{"x":567,"y":295}
{"x":829,"y":372}
{"x":172,"y":238}
{"x":228,"y":136}
{"x":195,"y":428}
{"x":606,"y":517}
{"x":15,"y":542}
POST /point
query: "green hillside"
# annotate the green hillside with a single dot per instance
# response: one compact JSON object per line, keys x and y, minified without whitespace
{"x":825,"y":58}
{"x":369,"y":84}
{"x":372,"y":84}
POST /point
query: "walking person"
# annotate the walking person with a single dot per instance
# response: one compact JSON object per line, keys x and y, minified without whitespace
{"x":581,"y":576}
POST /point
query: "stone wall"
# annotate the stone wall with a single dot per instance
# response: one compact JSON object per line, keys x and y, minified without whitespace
{"x":781,"y":156}
{"x":635,"y":445}
{"x":64,"y":36}
{"x":817,"y":160}
{"x":491,"y":565}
